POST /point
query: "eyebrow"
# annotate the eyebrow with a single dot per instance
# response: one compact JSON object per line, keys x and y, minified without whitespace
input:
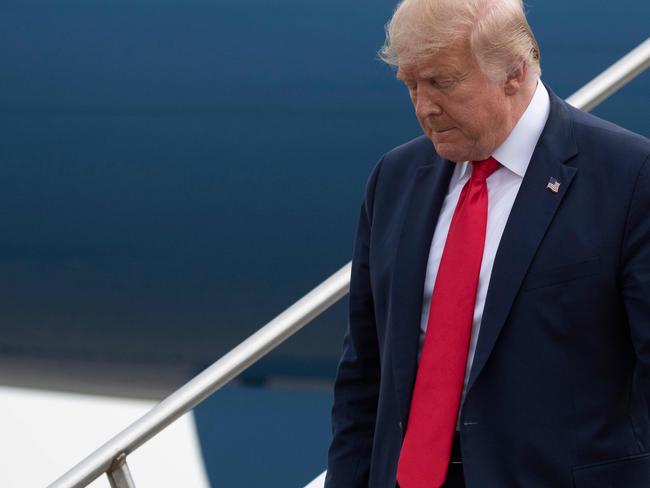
{"x":409,"y":76}
{"x":453,"y":74}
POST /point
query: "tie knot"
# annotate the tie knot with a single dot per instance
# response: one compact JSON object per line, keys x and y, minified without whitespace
{"x":481,"y":170}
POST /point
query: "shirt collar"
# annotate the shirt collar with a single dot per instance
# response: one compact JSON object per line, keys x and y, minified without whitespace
{"x":516,"y":151}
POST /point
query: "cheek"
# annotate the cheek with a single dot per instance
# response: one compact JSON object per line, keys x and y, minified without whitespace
{"x":482,"y":121}
{"x":464,"y":114}
{"x":470,"y":123}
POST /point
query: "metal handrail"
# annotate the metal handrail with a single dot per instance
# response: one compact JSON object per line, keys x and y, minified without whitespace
{"x":286,"y":324}
{"x":609,"y":81}
{"x":196,"y":390}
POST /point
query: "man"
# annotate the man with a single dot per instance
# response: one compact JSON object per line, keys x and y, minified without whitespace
{"x":499,"y":328}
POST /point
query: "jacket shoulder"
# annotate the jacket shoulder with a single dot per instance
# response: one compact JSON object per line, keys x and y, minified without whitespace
{"x":395,"y":169}
{"x":413,"y":153}
{"x":607,"y":141}
{"x":401,"y":161}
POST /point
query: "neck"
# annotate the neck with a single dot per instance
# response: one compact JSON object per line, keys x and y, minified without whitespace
{"x":518,"y":102}
{"x":521,"y":100}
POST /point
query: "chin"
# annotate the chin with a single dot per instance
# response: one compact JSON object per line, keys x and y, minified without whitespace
{"x":451,"y":153}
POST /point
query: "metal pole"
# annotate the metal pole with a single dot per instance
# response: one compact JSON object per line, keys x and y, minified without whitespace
{"x":613,"y":78}
{"x":119,"y":475}
{"x":210,"y":380}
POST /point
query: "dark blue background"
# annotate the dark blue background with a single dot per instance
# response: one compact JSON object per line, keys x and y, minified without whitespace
{"x":173,"y":174}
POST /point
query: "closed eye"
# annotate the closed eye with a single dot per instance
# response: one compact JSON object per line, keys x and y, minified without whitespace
{"x":444,"y":83}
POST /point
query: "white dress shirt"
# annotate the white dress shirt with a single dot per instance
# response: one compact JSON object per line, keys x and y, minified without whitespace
{"x":514,"y":155}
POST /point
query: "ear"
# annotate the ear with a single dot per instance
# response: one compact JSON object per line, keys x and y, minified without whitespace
{"x":515,"y":80}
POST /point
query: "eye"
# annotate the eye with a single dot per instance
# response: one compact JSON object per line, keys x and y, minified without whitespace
{"x":443,"y":83}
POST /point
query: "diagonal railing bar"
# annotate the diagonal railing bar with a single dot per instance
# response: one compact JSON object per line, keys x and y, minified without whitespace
{"x":289,"y":322}
{"x":210,"y":380}
{"x":613,"y":78}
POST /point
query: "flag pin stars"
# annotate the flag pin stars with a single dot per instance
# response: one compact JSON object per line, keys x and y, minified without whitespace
{"x":553,"y":185}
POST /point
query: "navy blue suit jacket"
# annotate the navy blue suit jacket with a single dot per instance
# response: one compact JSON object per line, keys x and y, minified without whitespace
{"x":559,"y":388}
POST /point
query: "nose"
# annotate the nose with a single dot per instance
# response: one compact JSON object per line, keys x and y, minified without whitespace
{"x":426,"y":101}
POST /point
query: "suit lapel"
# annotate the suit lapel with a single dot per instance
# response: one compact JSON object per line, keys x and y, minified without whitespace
{"x":427,"y":193}
{"x":529,"y":218}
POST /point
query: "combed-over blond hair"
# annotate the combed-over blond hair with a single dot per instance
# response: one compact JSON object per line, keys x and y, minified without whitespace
{"x":498,"y":33}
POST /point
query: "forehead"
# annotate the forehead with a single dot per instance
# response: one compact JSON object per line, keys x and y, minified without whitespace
{"x":445,"y":62}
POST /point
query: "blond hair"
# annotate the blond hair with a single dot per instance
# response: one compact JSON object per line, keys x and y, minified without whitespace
{"x":498,"y":33}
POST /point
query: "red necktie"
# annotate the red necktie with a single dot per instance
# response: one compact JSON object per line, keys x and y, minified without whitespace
{"x":436,"y":397}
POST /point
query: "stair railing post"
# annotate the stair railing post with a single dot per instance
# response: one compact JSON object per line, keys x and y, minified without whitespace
{"x":119,"y":475}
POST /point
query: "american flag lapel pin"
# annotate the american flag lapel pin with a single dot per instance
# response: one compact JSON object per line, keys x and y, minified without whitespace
{"x":553,"y":185}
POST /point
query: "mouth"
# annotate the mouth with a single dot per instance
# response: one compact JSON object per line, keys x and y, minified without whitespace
{"x":442,"y":131}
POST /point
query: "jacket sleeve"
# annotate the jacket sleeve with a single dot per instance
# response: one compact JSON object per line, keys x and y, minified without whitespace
{"x":636,"y":273}
{"x":356,"y":389}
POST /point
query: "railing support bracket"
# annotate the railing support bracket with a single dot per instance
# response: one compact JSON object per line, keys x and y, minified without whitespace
{"x":119,"y":475}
